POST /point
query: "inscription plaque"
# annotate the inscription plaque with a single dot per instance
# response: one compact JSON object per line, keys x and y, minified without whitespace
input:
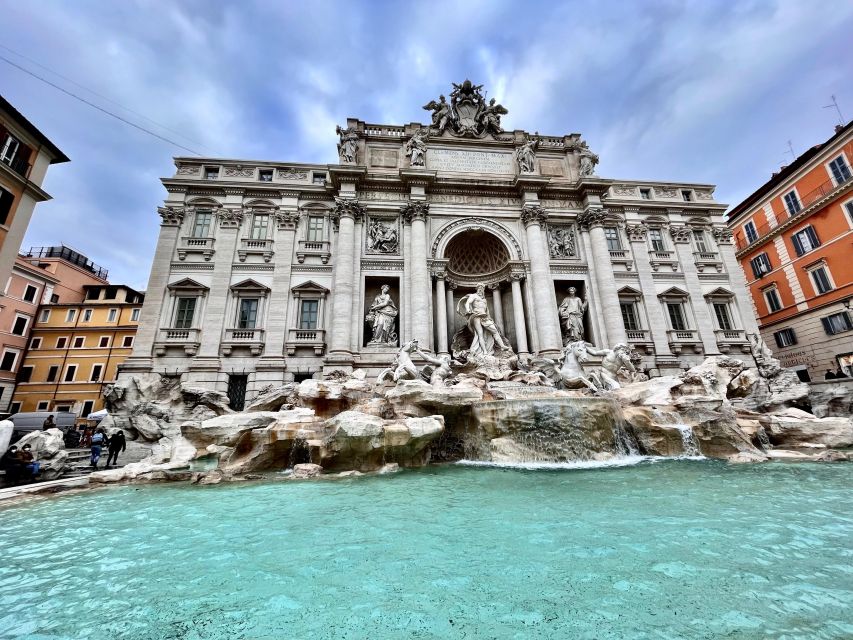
{"x":470,"y":161}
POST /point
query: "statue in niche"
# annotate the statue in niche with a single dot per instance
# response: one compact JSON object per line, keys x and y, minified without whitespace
{"x":561,"y":241}
{"x":526,"y":156}
{"x":416,"y":147}
{"x":403,"y":368}
{"x":571,"y":314}
{"x":486,"y":334}
{"x":441,"y":113}
{"x":382,"y":315}
{"x":491,"y":117}
{"x":588,"y":160}
{"x":382,"y":238}
{"x":348,"y":145}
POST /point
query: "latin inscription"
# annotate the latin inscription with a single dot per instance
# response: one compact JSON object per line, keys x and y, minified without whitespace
{"x":470,"y":161}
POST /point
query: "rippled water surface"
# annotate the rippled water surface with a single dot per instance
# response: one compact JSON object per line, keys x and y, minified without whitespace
{"x":683,"y":549}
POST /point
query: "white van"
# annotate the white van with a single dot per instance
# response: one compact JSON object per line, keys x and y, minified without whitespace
{"x":34,"y":421}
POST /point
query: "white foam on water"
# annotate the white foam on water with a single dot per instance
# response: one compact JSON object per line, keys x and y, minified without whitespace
{"x":624,"y":461}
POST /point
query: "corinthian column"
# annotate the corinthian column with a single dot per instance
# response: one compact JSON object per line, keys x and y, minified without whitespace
{"x":344,"y":215}
{"x":441,"y":313}
{"x":550,"y":341}
{"x":593,"y":220}
{"x":518,"y":314}
{"x":414,"y":213}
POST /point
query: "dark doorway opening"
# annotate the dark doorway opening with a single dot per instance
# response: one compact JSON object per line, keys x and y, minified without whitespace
{"x":237,"y":391}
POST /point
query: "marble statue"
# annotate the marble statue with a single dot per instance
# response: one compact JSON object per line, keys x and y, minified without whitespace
{"x":442,"y":370}
{"x":568,"y":371}
{"x":491,"y":117}
{"x":475,"y":309}
{"x":613,"y":360}
{"x":561,"y":242}
{"x":348,"y":145}
{"x":441,"y":113}
{"x":526,"y":156}
{"x":588,"y":160}
{"x":382,"y":238}
{"x":382,"y":314}
{"x":571,"y":314}
{"x":416,"y":147}
{"x":402,"y":368}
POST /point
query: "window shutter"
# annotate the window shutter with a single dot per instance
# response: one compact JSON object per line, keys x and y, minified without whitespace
{"x":827,"y":326}
{"x":756,"y":269}
{"x":793,"y":335}
{"x":810,"y":231}
{"x":798,"y":245}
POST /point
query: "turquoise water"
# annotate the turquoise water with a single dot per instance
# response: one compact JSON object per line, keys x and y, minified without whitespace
{"x":682,"y":549}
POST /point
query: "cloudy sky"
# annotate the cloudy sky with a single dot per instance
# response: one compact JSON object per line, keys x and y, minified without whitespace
{"x":700,"y":91}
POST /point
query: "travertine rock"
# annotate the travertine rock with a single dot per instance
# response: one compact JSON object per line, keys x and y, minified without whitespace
{"x":746,"y":457}
{"x":792,"y":430}
{"x":48,"y":449}
{"x":419,"y":398}
{"x":743,"y":384}
{"x":829,"y":399}
{"x":274,"y":399}
{"x":302,"y":471}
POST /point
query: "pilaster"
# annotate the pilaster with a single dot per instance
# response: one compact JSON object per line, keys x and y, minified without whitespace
{"x":550,"y":341}
{"x":681,"y":239}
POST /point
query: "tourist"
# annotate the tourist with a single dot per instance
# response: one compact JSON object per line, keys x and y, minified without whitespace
{"x":98,"y":441}
{"x":829,"y":375}
{"x":48,"y":423}
{"x":28,"y":461}
{"x":11,"y":464}
{"x":86,"y":437}
{"x":117,"y":443}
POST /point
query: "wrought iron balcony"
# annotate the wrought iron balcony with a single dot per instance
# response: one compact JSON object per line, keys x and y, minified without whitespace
{"x":311,"y":338}
{"x":190,"y":244}
{"x":188,"y":339}
{"x":19,"y":165}
{"x":253,"y":339}
{"x":319,"y":248}
{"x":256,"y":247}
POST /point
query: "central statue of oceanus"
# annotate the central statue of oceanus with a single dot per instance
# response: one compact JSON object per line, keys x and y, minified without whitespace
{"x":485,"y":332}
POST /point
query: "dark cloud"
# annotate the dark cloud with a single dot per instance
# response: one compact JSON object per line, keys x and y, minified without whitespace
{"x":705,"y":91}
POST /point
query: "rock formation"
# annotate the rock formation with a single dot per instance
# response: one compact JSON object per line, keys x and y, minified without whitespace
{"x":48,"y":449}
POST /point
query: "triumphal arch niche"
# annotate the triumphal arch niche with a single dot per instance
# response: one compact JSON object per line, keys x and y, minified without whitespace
{"x":270,"y":271}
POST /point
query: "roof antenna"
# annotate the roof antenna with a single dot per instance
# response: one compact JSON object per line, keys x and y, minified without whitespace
{"x":835,"y":106}
{"x":791,"y":150}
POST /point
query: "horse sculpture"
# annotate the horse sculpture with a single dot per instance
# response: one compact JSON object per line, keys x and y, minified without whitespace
{"x":403,"y":368}
{"x":569,"y":370}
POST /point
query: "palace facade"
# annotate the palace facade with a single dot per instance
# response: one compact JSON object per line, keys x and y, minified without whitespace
{"x":269,"y":271}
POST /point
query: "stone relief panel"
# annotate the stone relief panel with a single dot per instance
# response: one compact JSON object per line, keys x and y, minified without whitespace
{"x":293,"y":174}
{"x":384,"y":158}
{"x":383,"y":236}
{"x":562,"y":242}
{"x":188,"y":170}
{"x":624,"y":190}
{"x":551,"y":167}
{"x":240,"y":172}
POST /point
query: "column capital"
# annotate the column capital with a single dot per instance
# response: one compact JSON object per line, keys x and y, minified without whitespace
{"x":229,"y":218}
{"x":594,"y":216}
{"x":171,"y":216}
{"x":636,"y":232}
{"x":346,"y":208}
{"x":722,"y":236}
{"x":680,"y":233}
{"x":414,"y":210}
{"x":532,"y":213}
{"x":287,"y":219}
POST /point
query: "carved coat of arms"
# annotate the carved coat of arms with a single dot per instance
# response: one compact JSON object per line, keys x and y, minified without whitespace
{"x":468,"y":114}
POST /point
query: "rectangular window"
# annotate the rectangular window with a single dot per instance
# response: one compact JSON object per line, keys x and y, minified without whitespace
{"x":260,"y":224}
{"x":104,"y":342}
{"x":97,"y":370}
{"x":52,"y":373}
{"x":315,"y":229}
{"x":184,"y":313}
{"x":211,"y":173}
{"x":25,"y":374}
{"x":676,"y":315}
{"x":785,"y":338}
{"x":308,"y":314}
{"x":721,"y":310}
{"x":656,"y":238}
{"x":699,"y":241}
{"x":265,"y":175}
{"x":10,"y":147}
{"x":805,"y":240}
{"x":821,"y":280}
{"x":30,"y":293}
{"x":318,"y":178}
{"x":849,"y":207}
{"x":45,"y":315}
{"x":93,"y":293}
{"x":70,"y":315}
{"x":35,"y":343}
{"x":61,"y":342}
{"x":836,"y":323}
{"x":773,"y":301}
{"x":127,"y":342}
{"x":646,"y":194}
{"x":248,"y":313}
{"x":113,"y":314}
{"x":612,"y":235}
{"x":79,"y":342}
{"x":629,"y":316}
{"x":792,"y":202}
{"x":70,"y":373}
{"x":19,"y":328}
{"x":15,"y":407}
{"x":134,"y":315}
{"x":760,"y":265}
{"x":840,"y":170}
{"x":87,"y":315}
{"x":687,"y":196}
{"x":201,"y":224}
{"x":43,"y":405}
{"x":88,"y":407}
{"x":749,"y":230}
{"x":7,"y":363}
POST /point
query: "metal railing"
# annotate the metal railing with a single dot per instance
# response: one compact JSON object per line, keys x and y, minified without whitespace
{"x":762,"y":231}
{"x":69,"y":255}
{"x":19,"y":165}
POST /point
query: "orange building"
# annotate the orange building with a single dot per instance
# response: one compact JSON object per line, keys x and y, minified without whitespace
{"x":75,"y":350}
{"x":25,"y":155}
{"x":794,"y":240}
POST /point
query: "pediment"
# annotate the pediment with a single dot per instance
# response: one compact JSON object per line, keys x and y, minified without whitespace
{"x":720,"y":292}
{"x":630,"y":291}
{"x":249,"y":285}
{"x":187,"y":283}
{"x":309,"y":286}
{"x":674,"y":292}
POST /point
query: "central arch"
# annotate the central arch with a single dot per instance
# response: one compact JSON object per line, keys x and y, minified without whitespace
{"x":458,"y":227}
{"x":475,"y":253}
